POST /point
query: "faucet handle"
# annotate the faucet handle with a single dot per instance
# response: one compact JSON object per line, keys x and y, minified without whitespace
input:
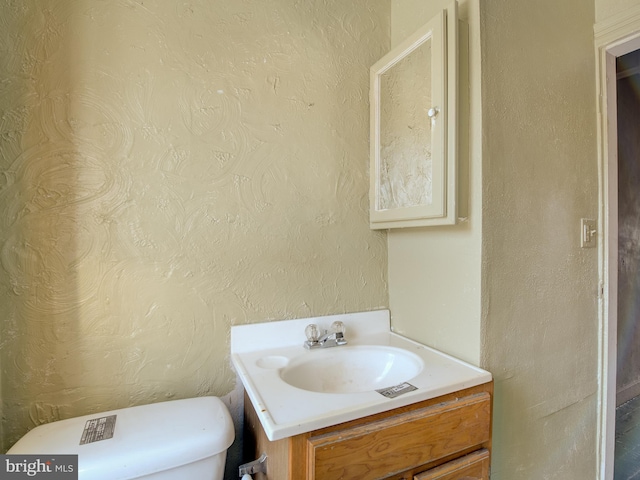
{"x":338,"y":327}
{"x":312,"y":333}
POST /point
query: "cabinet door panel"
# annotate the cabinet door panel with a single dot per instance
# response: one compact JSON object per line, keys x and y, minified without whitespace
{"x":474,"y":466}
{"x":414,"y":120}
{"x":402,"y":442}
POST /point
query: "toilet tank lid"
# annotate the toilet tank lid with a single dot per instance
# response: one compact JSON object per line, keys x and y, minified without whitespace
{"x":146,"y":439}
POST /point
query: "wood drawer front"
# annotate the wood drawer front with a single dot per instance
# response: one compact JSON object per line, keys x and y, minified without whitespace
{"x":401,"y":442}
{"x":474,"y":466}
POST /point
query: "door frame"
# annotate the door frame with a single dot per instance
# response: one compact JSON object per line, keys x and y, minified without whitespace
{"x":616,"y":36}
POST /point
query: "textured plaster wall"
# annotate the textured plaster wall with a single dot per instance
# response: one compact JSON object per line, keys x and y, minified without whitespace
{"x":509,"y":287}
{"x":169,"y":169}
{"x":539,"y":287}
{"x":609,"y":8}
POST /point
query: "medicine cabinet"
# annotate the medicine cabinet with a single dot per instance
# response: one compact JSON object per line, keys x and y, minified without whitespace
{"x":413,"y":158}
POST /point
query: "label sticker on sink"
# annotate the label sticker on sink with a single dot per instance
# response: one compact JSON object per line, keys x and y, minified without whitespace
{"x":397,"y":390}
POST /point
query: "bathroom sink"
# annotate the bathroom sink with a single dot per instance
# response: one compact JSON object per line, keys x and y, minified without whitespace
{"x":296,"y":390}
{"x":352,"y":369}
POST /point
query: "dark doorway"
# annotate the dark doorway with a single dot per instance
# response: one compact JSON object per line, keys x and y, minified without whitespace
{"x":627,"y":445}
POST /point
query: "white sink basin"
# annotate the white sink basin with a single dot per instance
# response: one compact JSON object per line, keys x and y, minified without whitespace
{"x":294,"y":390}
{"x":352,"y":369}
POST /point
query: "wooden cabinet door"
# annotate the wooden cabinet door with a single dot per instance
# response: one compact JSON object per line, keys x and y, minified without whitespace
{"x":474,"y":466}
{"x":416,"y":79}
{"x":402,"y":442}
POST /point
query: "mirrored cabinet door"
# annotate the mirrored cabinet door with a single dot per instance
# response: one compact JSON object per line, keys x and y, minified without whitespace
{"x":413,"y":128}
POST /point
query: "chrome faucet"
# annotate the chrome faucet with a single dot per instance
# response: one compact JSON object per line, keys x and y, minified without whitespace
{"x":334,"y":337}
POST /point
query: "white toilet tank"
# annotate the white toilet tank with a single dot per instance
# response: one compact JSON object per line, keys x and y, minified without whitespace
{"x":175,"y":440}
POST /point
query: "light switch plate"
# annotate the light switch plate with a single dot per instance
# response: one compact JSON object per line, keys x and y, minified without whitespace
{"x":588,"y":233}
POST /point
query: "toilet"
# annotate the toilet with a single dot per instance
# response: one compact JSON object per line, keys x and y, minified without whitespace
{"x":174,"y":440}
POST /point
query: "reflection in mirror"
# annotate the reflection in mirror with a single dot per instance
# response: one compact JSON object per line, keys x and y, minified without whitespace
{"x":405,"y":131}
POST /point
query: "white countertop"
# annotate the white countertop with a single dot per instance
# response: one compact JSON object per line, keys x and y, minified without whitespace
{"x":260,"y":351}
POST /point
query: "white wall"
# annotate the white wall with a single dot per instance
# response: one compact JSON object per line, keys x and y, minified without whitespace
{"x":434,"y":273}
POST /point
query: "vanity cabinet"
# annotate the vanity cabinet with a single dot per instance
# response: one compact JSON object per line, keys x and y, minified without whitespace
{"x":474,"y":466}
{"x":445,"y":438}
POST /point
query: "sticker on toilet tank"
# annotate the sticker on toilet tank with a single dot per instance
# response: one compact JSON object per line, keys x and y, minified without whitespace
{"x":397,"y":390}
{"x":98,"y":429}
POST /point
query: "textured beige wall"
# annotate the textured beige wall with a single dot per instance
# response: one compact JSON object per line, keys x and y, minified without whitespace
{"x":539,"y":287}
{"x":608,"y":8}
{"x":434,"y":272}
{"x":170,"y":169}
{"x":510,"y":288}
